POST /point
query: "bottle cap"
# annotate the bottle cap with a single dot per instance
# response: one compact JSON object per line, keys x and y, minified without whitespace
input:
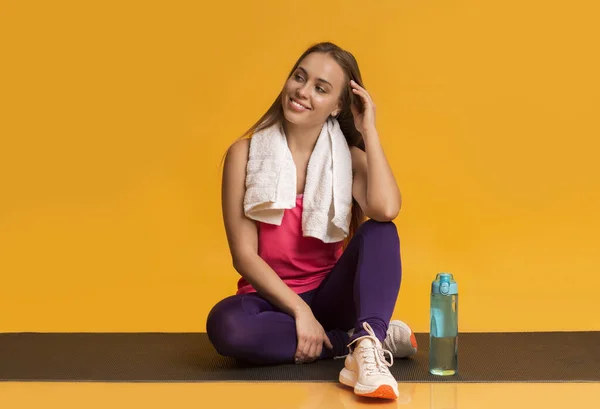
{"x":444,"y":284}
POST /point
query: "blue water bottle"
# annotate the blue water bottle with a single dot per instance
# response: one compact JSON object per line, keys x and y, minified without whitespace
{"x":443,"y":333}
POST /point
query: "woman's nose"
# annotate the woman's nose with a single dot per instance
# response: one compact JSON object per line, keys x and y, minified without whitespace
{"x":302,"y":91}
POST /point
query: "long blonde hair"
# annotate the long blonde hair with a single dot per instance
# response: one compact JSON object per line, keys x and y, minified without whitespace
{"x":345,"y":118}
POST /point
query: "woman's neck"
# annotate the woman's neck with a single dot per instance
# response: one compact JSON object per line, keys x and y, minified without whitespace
{"x":301,"y":140}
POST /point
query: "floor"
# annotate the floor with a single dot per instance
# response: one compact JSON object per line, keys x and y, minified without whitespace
{"x":295,"y":395}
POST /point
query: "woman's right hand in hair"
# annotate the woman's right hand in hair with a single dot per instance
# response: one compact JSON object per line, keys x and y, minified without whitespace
{"x":311,"y":337}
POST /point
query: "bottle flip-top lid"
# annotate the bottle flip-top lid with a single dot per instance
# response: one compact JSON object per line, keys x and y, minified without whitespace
{"x":444,"y":284}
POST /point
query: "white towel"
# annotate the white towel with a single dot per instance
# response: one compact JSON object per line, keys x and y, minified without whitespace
{"x":271,"y":182}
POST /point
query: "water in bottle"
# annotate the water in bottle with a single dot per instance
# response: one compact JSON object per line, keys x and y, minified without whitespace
{"x":443,"y":334}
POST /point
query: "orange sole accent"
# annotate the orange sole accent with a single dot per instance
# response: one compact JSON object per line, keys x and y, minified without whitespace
{"x":384,"y":392}
{"x":413,"y":340}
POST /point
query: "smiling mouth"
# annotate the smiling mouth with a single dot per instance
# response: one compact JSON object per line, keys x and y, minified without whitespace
{"x":298,"y":104}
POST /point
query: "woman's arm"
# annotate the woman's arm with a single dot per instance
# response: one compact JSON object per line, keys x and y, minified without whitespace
{"x":242,"y":236}
{"x":374,"y":186}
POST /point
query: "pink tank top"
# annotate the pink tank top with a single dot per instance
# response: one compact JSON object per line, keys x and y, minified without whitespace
{"x":301,"y":262}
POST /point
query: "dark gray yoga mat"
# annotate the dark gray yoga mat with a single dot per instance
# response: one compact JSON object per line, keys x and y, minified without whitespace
{"x":189,"y":357}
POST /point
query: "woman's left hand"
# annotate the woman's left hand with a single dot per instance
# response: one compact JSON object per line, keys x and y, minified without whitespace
{"x":363,"y":121}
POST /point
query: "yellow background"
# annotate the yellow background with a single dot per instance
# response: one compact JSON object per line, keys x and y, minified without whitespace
{"x":115,"y":116}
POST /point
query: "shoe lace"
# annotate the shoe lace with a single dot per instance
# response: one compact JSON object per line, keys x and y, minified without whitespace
{"x":374,"y":356}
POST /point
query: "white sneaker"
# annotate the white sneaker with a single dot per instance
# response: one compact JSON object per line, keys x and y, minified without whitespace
{"x":400,"y":340}
{"x":366,"y":369}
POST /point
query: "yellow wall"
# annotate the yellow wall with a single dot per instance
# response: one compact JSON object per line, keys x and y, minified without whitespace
{"x":115,"y":118}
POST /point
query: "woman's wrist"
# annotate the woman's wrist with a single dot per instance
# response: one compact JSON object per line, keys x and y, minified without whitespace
{"x":301,"y":308}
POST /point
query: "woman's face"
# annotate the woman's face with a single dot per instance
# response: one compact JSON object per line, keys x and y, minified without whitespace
{"x":316,"y":85}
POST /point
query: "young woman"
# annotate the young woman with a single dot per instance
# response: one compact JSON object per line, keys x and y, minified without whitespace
{"x":300,"y":299}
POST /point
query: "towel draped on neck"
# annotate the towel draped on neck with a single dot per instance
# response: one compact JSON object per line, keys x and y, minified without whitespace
{"x":271,"y":182}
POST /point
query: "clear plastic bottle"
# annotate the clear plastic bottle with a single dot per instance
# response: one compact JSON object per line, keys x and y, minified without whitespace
{"x":443,"y":334}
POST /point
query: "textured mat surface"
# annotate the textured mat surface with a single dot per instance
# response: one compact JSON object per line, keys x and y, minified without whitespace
{"x":189,"y":357}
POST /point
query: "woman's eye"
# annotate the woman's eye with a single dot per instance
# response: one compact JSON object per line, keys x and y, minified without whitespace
{"x":300,"y":78}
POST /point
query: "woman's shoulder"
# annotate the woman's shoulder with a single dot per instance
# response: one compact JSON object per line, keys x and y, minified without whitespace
{"x":236,"y":159}
{"x":239,"y":149}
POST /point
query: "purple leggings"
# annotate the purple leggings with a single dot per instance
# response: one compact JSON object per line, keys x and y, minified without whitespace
{"x":362,"y":286}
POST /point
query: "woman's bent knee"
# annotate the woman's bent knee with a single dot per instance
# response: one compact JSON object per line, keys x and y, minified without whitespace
{"x":223,"y":326}
{"x":372,"y":227}
{"x":230,"y":328}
